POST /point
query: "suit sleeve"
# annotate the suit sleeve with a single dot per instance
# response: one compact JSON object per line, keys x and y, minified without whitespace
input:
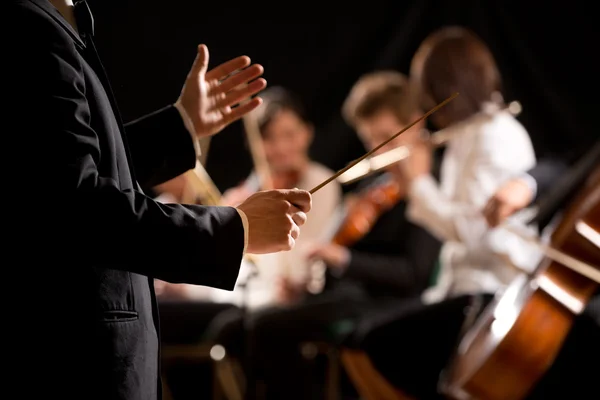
{"x":408,"y":273}
{"x":161,"y":147}
{"x":88,"y":218}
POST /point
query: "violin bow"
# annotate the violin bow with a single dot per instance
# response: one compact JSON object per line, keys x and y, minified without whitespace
{"x":558,"y":256}
{"x":257,"y":151}
{"x":369,"y":153}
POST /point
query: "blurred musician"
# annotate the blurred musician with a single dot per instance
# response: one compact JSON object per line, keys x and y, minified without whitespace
{"x":379,"y":105}
{"x":285,"y":134}
{"x":487,"y":146}
{"x":392,"y":262}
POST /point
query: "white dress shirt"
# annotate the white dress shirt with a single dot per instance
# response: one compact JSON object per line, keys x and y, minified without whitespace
{"x":485,"y":152}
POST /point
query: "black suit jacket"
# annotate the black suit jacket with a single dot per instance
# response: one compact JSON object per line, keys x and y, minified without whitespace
{"x":84,"y":241}
{"x":395,"y":259}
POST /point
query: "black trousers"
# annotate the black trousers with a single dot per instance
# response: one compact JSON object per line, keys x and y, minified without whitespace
{"x":412,"y":345}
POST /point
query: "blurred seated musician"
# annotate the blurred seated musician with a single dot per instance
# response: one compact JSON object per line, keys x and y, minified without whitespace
{"x":379,"y":105}
{"x":486,"y":145}
{"x":285,"y":134}
{"x":393,"y":261}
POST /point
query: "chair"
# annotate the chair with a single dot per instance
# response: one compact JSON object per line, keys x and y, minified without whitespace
{"x":331,"y":350}
{"x":186,"y":339}
{"x":369,"y":383}
{"x":172,"y":354}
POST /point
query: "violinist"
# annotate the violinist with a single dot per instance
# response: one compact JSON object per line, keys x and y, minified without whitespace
{"x":391,"y":261}
{"x":379,"y":105}
{"x":487,"y":145}
{"x":286,"y":134}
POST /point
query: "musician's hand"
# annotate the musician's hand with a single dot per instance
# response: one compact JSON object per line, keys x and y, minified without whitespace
{"x":418,"y":163}
{"x":235,"y":196}
{"x":274,"y":219}
{"x":208,"y":97}
{"x":513,"y":196}
{"x":335,"y":256}
{"x":288,"y":292}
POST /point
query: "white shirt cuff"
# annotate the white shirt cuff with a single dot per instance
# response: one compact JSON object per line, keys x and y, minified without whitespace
{"x":530,"y":182}
{"x":246,"y":227}
{"x":190,"y":127}
{"x":165,"y":198}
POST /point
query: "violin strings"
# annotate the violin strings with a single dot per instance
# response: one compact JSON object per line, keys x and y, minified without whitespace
{"x":353,"y":163}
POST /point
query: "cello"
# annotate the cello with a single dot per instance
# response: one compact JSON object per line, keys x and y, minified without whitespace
{"x":517,"y":337}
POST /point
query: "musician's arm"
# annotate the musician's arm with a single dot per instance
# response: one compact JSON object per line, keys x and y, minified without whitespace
{"x":503,"y":151}
{"x":430,"y":208}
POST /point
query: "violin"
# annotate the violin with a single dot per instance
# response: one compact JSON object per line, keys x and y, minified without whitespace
{"x":364,"y":211}
{"x":361,"y":214}
{"x":517,"y":337}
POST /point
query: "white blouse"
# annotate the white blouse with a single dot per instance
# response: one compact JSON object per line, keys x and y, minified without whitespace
{"x":485,"y":152}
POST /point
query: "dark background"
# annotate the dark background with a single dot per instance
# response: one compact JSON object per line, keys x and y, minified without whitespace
{"x":547,"y":53}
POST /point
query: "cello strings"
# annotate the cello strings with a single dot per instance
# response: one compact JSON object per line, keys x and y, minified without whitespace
{"x":558,"y":256}
{"x":353,"y":163}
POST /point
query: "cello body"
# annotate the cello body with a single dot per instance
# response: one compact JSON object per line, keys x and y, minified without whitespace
{"x":517,"y":337}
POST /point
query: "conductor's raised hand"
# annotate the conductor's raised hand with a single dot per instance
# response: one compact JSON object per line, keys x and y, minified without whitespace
{"x":213,"y":99}
{"x":275,"y":218}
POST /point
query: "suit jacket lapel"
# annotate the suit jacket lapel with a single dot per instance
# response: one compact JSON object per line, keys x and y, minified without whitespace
{"x":92,"y":57}
{"x":90,"y":54}
{"x":57,"y":16}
